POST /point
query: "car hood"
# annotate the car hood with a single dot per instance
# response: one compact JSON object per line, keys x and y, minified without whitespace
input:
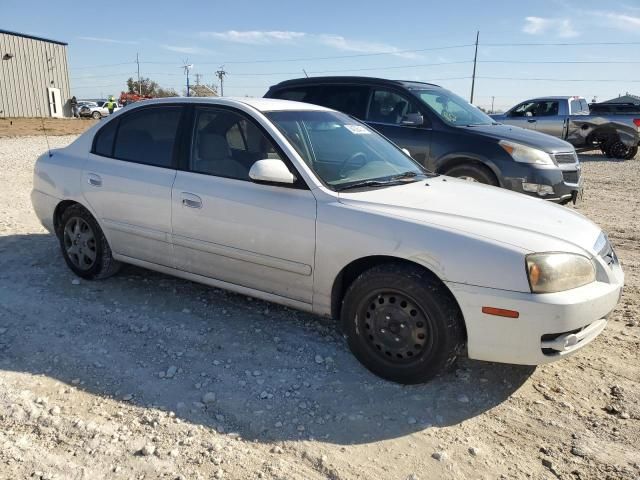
{"x":530,"y":138}
{"x":492,"y":213}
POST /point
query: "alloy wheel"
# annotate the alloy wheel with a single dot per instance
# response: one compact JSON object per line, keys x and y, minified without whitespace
{"x":80,"y":243}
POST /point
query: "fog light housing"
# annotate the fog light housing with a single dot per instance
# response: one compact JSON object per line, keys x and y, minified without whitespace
{"x":542,"y":190}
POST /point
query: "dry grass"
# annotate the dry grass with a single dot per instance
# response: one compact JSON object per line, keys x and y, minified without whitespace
{"x":19,"y":127}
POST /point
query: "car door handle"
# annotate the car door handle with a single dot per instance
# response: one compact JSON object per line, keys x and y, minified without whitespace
{"x":94,"y":180}
{"x":190,"y":200}
{"x":531,"y":121}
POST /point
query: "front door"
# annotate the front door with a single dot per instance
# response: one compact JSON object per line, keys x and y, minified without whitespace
{"x":395,"y":117}
{"x":128,"y":178}
{"x":229,"y":228}
{"x":55,"y":102}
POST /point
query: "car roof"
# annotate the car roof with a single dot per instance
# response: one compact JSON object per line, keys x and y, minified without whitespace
{"x":260,"y":104}
{"x":558,"y":97}
{"x":411,"y":84}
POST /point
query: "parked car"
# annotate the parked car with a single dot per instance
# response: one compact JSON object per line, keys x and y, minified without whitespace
{"x":98,"y":110}
{"x":448,"y":135}
{"x":308,"y":207}
{"x":569,"y":118}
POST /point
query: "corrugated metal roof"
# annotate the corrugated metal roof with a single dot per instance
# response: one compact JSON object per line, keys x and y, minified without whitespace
{"x":33,"y":37}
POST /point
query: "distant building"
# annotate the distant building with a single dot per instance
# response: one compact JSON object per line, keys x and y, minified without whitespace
{"x":34,"y":76}
{"x":627,"y":98}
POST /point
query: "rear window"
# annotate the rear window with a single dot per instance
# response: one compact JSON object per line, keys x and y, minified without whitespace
{"x":103,"y":142}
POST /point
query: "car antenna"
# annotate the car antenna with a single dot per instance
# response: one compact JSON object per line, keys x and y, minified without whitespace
{"x":305,"y":73}
{"x":44,"y":129}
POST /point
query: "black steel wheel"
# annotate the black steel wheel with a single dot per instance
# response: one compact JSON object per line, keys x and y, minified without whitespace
{"x":618,"y":149}
{"x":395,"y":326}
{"x":402,"y":323}
{"x":84,"y":247}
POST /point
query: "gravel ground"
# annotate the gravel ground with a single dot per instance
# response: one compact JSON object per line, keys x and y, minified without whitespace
{"x":148,"y":376}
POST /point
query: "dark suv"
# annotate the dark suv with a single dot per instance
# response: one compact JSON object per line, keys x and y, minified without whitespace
{"x":447,"y":134}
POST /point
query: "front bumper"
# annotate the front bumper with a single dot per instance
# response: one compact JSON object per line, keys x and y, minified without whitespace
{"x":550,"y":326}
{"x":567,"y":182}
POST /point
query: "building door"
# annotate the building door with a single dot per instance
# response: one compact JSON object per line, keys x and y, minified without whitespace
{"x":55,"y":102}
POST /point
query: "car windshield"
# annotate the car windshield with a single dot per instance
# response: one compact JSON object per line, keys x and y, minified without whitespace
{"x":343,"y":152}
{"x":453,"y":109}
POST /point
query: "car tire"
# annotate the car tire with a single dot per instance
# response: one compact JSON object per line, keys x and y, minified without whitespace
{"x":84,"y":247}
{"x":402,"y":323}
{"x":617,"y":149}
{"x":473,"y":173}
{"x":96,"y":115}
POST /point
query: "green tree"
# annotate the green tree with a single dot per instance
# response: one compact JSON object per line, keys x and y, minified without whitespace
{"x":149,"y":87}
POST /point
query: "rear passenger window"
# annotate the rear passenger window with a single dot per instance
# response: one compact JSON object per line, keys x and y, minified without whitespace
{"x":103,"y":143}
{"x":148,"y":136}
{"x":351,"y":100}
{"x":300,"y":94}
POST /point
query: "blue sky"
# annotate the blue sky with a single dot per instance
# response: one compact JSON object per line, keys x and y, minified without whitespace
{"x":425,"y":41}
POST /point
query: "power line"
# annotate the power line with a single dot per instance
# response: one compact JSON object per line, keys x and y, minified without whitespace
{"x":563,"y":44}
{"x":585,"y":80}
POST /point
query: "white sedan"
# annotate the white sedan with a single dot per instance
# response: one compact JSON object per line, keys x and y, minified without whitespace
{"x":307,"y":207}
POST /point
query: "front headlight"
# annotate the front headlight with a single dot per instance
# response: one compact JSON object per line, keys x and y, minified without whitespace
{"x":523,"y":154}
{"x":555,"y":272}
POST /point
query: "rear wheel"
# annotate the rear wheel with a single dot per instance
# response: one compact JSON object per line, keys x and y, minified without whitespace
{"x":473,"y":173}
{"x":96,"y":115}
{"x":84,"y":247}
{"x":402,"y":323}
{"x":617,"y":149}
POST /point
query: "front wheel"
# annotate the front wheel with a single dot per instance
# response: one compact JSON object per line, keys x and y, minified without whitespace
{"x":96,"y":115}
{"x":84,"y":247}
{"x":402,"y":323}
{"x":473,"y":173}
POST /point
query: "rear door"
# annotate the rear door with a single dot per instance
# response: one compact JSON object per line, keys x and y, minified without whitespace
{"x":229,"y":228}
{"x":128,"y":178}
{"x":393,"y":114}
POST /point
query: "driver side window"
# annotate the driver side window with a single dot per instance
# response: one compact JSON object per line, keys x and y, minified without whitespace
{"x":226,"y":144}
{"x":389,"y":107}
{"x":527,"y":109}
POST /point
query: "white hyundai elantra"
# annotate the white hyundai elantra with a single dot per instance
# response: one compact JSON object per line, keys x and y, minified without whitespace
{"x":307,"y":207}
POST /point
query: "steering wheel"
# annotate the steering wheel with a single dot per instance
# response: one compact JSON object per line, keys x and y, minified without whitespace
{"x":349,"y":160}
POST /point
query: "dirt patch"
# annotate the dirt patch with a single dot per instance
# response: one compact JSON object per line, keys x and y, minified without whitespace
{"x":148,"y":376}
{"x":20,"y":127}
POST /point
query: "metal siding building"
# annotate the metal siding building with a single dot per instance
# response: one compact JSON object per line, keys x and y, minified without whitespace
{"x":34,"y":76}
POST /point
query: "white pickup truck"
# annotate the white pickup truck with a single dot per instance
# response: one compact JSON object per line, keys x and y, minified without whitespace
{"x":569,"y":118}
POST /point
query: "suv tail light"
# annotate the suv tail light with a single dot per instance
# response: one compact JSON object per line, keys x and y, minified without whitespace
{"x":637,"y":122}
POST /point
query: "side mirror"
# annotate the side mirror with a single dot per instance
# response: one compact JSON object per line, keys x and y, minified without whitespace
{"x":528,"y":114}
{"x":415,"y":119}
{"x":271,"y":170}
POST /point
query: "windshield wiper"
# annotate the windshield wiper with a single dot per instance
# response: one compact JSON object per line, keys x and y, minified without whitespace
{"x":398,"y":179}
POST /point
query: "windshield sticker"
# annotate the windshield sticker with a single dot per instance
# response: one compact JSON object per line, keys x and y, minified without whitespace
{"x":357,"y":129}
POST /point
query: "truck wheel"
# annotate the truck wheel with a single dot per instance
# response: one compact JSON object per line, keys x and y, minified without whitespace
{"x":84,"y":247}
{"x":402,"y":323}
{"x":473,"y":173}
{"x":617,"y":149}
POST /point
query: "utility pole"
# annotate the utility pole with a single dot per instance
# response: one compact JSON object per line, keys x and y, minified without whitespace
{"x":139,"y":85}
{"x":198,"y":75}
{"x":187,"y":67}
{"x":492,"y":99}
{"x":220,"y":74}
{"x":475,"y":60}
